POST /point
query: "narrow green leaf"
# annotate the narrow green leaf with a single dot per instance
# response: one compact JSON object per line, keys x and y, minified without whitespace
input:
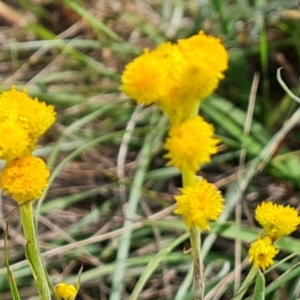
{"x":259,"y":289}
{"x":78,"y":283}
{"x":12,"y":285}
{"x":152,"y":265}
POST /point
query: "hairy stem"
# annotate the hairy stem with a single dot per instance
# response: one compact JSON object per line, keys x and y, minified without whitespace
{"x":197,"y":261}
{"x":33,"y":252}
{"x":188,"y":179}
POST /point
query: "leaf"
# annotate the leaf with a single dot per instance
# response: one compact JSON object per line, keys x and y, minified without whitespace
{"x":259,"y":289}
{"x":79,"y":278}
{"x":12,"y":285}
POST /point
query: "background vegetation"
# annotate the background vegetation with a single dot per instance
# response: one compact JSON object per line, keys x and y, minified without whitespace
{"x":105,"y":155}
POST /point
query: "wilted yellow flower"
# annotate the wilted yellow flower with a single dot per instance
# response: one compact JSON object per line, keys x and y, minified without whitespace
{"x":66,"y":291}
{"x":14,"y":141}
{"x":177,"y":77}
{"x":199,"y":204}
{"x":190,"y":144}
{"x":262,"y":252}
{"x":25,"y":178}
{"x":277,"y":220}
{"x":29,"y":114}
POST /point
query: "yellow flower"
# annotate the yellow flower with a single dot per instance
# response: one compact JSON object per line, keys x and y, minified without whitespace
{"x":37,"y":117}
{"x":66,"y":291}
{"x":212,"y":61}
{"x":14,"y":141}
{"x":142,"y":79}
{"x":262,"y":252}
{"x":277,"y":220}
{"x":25,"y":178}
{"x":200,"y":203}
{"x":177,"y":77}
{"x":27,"y":113}
{"x":190,"y":144}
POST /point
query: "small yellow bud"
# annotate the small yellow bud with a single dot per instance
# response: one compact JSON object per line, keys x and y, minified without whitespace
{"x":66,"y":291}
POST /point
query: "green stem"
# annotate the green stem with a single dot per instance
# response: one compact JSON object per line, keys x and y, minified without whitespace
{"x":197,"y":261}
{"x":247,"y":282}
{"x":33,"y":252}
{"x":188,"y":179}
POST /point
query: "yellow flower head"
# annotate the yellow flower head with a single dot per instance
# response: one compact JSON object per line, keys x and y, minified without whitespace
{"x":277,"y":220}
{"x":262,"y":252}
{"x":25,"y":178}
{"x":190,"y":144}
{"x":200,"y":203}
{"x":29,"y":114}
{"x":142,"y":77}
{"x":66,"y":291}
{"x":177,"y":77}
{"x":212,"y":61}
{"x":14,"y":141}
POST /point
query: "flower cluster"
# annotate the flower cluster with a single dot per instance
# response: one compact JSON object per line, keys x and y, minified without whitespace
{"x":277,"y":221}
{"x":262,"y":252}
{"x":25,"y":178}
{"x":22,"y":121}
{"x":190,"y":144}
{"x":177,"y":77}
{"x":199,"y":203}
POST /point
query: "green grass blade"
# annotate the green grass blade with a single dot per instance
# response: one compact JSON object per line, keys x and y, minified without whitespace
{"x":259,"y":289}
{"x":99,"y":26}
{"x":185,"y":285}
{"x":13,"y":286}
{"x":11,"y":281}
{"x":124,"y":243}
{"x":153,"y":264}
